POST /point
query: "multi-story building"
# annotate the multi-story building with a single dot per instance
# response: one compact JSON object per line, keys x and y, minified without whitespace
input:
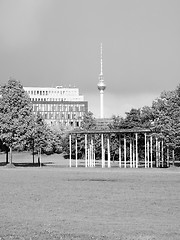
{"x":59,"y":105}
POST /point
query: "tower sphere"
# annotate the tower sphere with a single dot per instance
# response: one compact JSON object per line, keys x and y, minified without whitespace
{"x":101,"y":86}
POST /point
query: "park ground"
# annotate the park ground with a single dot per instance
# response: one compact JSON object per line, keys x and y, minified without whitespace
{"x":56,"y":202}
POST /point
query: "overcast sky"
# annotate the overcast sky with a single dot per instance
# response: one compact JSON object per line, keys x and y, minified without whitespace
{"x":57,"y":42}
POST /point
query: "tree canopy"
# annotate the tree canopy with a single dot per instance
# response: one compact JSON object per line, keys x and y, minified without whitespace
{"x":16,"y":115}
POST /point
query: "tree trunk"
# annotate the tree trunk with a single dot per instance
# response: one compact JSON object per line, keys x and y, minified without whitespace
{"x":38,"y":157}
{"x":10,"y":154}
{"x":113,"y":157}
{"x":7,"y":157}
{"x":173,"y":158}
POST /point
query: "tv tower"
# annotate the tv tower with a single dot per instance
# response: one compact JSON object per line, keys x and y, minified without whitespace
{"x":101,"y":86}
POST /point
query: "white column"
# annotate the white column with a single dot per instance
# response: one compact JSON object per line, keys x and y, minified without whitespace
{"x":102,"y":150}
{"x":148,"y":153}
{"x":133,"y":150}
{"x":93,"y":153}
{"x":162,"y":154}
{"x":130,"y":152}
{"x":40,"y":157}
{"x":92,"y":162}
{"x":159,"y":153}
{"x":137,"y":151}
{"x":119,"y":150}
{"x":108,"y":149}
{"x":145,"y":150}
{"x":151,"y":150}
{"x":124,"y":151}
{"x":76,"y":153}
{"x":168,"y":156}
{"x":85,"y":150}
{"x":70,"y":151}
{"x":88,"y":156}
{"x":156,"y":152}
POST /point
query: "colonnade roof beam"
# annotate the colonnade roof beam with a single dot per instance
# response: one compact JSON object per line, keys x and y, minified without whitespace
{"x":122,"y":131}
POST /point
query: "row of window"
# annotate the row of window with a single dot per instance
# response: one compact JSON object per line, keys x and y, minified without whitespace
{"x":62,"y":92}
{"x":59,"y":107}
{"x":66,"y":123}
{"x":62,"y":115}
{"x":55,"y":99}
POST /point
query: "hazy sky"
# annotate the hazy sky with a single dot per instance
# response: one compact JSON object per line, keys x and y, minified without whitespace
{"x":57,"y":42}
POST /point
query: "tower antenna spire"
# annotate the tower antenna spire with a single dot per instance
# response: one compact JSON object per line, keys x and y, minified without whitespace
{"x":101,"y":60}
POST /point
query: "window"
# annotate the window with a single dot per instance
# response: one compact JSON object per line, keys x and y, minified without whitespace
{"x":81,"y":108}
{"x":77,"y":108}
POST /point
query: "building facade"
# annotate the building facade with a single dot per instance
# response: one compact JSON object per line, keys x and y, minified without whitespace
{"x":58,"y":106}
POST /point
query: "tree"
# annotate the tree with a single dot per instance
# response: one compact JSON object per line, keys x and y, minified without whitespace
{"x":167,"y":115}
{"x":117,"y":122}
{"x":88,"y":122}
{"x":133,"y":119}
{"x":16,"y":116}
{"x":147,"y":117}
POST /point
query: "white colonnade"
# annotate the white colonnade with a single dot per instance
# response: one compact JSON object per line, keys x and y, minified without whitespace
{"x":130,"y":147}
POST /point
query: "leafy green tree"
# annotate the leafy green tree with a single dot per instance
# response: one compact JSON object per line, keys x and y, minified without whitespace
{"x":117,"y":122}
{"x":89,"y":122}
{"x":16,"y":116}
{"x":133,"y":119}
{"x":164,"y":121}
{"x":167,"y":115}
{"x":43,"y":139}
{"x":147,"y":117}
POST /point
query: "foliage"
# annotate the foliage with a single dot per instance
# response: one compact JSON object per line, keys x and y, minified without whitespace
{"x":133,"y":119}
{"x":44,"y":138}
{"x":117,"y":122}
{"x":166,"y":116}
{"x":88,"y":122}
{"x":16,"y":115}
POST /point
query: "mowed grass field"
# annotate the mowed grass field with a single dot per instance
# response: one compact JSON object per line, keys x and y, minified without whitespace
{"x":78,"y":203}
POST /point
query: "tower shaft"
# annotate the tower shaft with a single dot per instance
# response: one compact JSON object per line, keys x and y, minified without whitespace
{"x":101,"y":104}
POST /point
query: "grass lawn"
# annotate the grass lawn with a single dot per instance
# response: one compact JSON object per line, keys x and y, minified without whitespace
{"x":78,"y":203}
